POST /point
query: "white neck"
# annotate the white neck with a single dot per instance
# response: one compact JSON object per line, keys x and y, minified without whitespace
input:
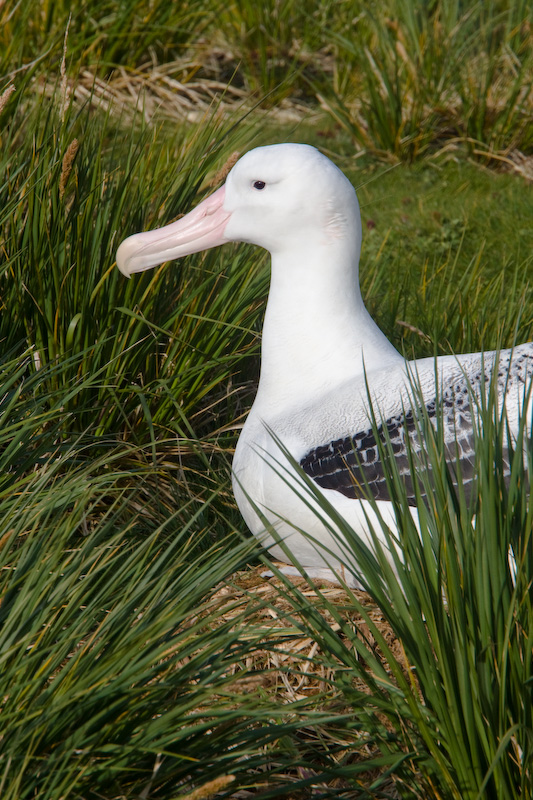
{"x":317,"y":333}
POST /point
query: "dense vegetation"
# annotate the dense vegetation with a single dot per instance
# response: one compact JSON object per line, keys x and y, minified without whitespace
{"x":126,"y":671}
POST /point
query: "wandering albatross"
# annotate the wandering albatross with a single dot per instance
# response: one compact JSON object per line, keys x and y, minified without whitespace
{"x":324,"y":361}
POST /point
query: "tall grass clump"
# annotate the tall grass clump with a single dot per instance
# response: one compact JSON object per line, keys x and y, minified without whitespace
{"x":107,"y":681}
{"x":274,"y":45}
{"x":104,"y":33}
{"x":411,"y":76}
{"x":68,"y":196}
{"x":95,"y":603}
{"x":448,"y":692}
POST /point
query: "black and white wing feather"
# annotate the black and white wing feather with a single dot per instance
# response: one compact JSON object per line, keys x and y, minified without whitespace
{"x":356,"y":465}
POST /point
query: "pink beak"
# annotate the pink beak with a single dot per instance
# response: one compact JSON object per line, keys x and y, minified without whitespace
{"x":200,"y":229}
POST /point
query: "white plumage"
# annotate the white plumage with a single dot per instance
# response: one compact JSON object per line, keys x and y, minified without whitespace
{"x":323,"y":357}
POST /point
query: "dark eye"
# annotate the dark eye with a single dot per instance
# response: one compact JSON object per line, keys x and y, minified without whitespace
{"x":259,"y":185}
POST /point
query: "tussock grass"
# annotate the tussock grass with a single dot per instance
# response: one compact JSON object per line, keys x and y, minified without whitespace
{"x":400,"y":80}
{"x":414,"y":75}
{"x":65,"y":206}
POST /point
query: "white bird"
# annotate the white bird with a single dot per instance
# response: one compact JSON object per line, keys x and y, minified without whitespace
{"x":324,"y":361}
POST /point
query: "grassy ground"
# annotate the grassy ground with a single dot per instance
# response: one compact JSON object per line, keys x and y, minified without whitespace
{"x":133,"y":664}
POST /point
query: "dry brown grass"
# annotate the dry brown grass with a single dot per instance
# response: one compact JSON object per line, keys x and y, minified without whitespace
{"x":290,"y":669}
{"x":293,"y":669}
{"x":171,"y":91}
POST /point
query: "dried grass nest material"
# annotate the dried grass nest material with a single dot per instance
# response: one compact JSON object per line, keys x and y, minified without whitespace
{"x":292,"y":666}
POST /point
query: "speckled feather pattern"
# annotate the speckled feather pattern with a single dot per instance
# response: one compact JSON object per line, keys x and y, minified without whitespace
{"x":354,"y":465}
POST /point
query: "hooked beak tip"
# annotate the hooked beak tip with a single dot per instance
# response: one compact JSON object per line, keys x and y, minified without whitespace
{"x":123,"y":258}
{"x":200,"y":229}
